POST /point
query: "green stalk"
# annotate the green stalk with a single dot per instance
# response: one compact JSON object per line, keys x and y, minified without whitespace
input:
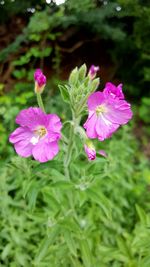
{"x":70,"y":145}
{"x":40,"y":102}
{"x":67,"y":161}
{"x":73,"y":126}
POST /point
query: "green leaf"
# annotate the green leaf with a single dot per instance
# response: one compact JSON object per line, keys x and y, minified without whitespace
{"x":46,"y":243}
{"x":46,"y":52}
{"x":62,"y":184}
{"x":6,"y":251}
{"x":64,"y":93}
{"x":142,"y":214}
{"x":30,"y":190}
{"x":123,"y":247}
{"x":32,"y":195}
{"x":71,"y":226}
{"x":100,"y":199}
{"x":145,"y":262}
{"x":44,"y":166}
{"x":86,"y":253}
{"x":70,"y":242}
{"x":51,"y":200}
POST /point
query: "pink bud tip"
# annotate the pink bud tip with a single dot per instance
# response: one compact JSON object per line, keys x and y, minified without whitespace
{"x":90,"y":151}
{"x":39,"y":77}
{"x":93,"y":71}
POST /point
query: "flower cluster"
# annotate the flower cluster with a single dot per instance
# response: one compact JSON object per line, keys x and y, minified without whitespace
{"x":38,"y":133}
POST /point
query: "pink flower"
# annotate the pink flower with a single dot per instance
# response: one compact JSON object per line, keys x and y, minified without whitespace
{"x":37,"y":135}
{"x":40,"y":81}
{"x":107,"y":111}
{"x":90,"y":151}
{"x":93,"y":71}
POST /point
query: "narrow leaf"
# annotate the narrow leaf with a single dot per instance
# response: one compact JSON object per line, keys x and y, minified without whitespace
{"x":64,"y":93}
{"x":70,"y":243}
{"x":46,"y":243}
{"x":86,"y":253}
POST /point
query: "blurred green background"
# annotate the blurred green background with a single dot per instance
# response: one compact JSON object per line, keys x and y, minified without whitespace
{"x":57,"y":35}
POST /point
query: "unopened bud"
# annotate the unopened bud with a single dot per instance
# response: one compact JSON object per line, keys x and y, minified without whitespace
{"x":93,"y":71}
{"x":73,"y":78}
{"x":82,"y":72}
{"x":90,"y":150}
{"x":94,"y":84}
{"x":40,"y":81}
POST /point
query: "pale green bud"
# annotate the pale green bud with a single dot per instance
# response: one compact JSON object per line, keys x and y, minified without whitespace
{"x":94,"y":85}
{"x":82,"y":72}
{"x":73,"y":78}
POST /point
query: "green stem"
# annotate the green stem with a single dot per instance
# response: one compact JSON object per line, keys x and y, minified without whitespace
{"x":40,"y":102}
{"x":69,"y":152}
{"x":68,"y":157}
{"x":73,"y":126}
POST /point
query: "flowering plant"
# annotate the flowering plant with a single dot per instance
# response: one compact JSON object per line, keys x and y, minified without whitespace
{"x":39,"y":132}
{"x":46,"y":138}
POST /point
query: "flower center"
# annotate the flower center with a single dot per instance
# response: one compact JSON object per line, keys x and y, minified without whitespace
{"x":100,"y":109}
{"x":40,"y":132}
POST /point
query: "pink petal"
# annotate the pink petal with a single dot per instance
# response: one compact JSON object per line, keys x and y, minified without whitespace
{"x":21,"y":139}
{"x":37,"y":73}
{"x":31,"y":118}
{"x":113,"y":91}
{"x":41,"y":80}
{"x":54,"y":123}
{"x":89,"y":125}
{"x":105,"y":128}
{"x":93,"y":71}
{"x":120,"y":112}
{"x":95,"y":100}
{"x":45,"y":151}
{"x":51,"y":137}
{"x":39,"y":77}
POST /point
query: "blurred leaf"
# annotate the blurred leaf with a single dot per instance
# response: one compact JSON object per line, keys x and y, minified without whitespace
{"x":46,"y":243}
{"x":101,"y":200}
{"x":86,"y":253}
{"x":70,"y":242}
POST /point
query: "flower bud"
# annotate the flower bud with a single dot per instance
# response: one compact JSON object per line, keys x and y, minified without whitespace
{"x":40,"y":81}
{"x":73,"y":78}
{"x":93,"y":71}
{"x":90,"y":150}
{"x":82,"y":72}
{"x":94,"y":84}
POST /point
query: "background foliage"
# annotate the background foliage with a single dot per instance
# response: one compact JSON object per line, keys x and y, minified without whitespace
{"x":108,"y":224}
